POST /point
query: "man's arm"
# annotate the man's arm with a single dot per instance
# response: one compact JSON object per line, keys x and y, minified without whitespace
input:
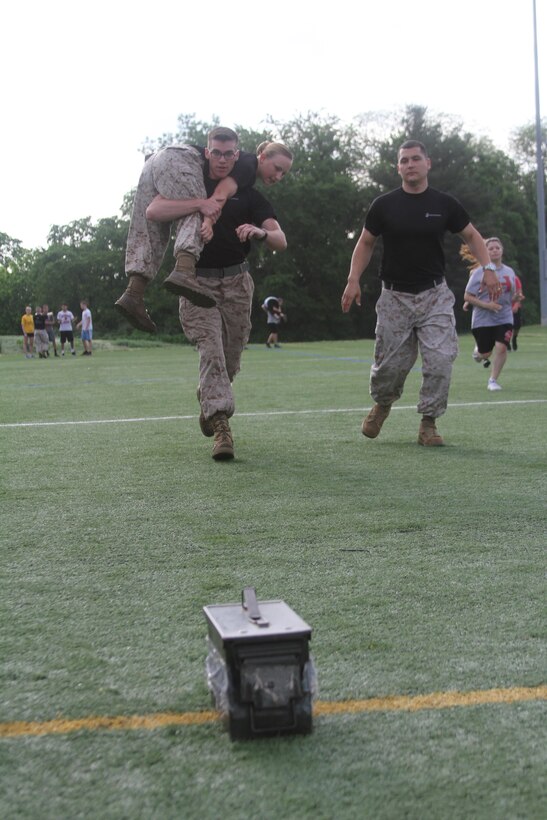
{"x":477,"y":246}
{"x":167,"y":210}
{"x":360,"y":259}
{"x":269,"y":232}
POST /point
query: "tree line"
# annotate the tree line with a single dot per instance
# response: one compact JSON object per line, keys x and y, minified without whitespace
{"x":338,"y":170}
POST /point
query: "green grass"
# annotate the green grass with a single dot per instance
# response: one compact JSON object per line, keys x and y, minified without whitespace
{"x":420,"y":570}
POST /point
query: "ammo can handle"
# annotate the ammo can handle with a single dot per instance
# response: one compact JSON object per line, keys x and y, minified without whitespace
{"x":250,"y":604}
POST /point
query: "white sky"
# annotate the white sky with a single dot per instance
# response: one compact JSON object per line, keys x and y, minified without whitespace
{"x":84,"y":84}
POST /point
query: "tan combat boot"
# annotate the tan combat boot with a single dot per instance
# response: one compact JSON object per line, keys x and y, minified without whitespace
{"x":131,"y":305}
{"x":372,"y":424}
{"x":183,"y":281}
{"x":223,"y":445}
{"x":428,"y":435}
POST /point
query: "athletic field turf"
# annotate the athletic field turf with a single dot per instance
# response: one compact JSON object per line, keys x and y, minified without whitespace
{"x":420,"y":570}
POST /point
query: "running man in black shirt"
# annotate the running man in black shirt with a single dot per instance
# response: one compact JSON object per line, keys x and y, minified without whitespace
{"x":222,"y":277}
{"x":416,"y":308}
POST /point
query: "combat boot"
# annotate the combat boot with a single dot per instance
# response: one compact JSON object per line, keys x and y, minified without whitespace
{"x":428,"y":435}
{"x":223,"y":445}
{"x":131,"y":305}
{"x":372,"y":424}
{"x":183,"y":281}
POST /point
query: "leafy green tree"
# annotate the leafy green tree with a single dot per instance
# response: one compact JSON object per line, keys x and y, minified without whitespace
{"x":15,"y":287}
{"x":338,"y":170}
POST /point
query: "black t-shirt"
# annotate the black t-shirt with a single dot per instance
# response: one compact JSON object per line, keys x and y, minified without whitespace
{"x":244,"y":171}
{"x":412,"y":227}
{"x":225,"y":249}
{"x":40,"y":321}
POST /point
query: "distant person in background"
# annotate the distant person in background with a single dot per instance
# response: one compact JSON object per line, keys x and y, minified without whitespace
{"x":86,"y":327}
{"x":517,"y":318}
{"x":50,"y":327}
{"x":27,"y":326}
{"x":273,"y":308}
{"x":65,"y":317}
{"x":41,"y":339}
{"x":492,"y":321}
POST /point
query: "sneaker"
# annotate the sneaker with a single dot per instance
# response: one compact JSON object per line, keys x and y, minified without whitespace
{"x":268,"y":344}
{"x":486,"y":363}
{"x":134,"y":310}
{"x":428,"y":435}
{"x":277,"y":345}
{"x":206,"y":425}
{"x":62,"y":352}
{"x":372,"y":424}
{"x":223,"y":445}
{"x":493,"y":385}
{"x":476,"y":355}
{"x":73,"y":352}
{"x":515,"y":346}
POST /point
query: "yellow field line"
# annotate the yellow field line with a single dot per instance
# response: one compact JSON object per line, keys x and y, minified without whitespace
{"x":408,"y":703}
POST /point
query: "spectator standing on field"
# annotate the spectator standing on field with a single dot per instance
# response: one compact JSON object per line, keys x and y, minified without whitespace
{"x":50,"y":327}
{"x":273,"y":308}
{"x":27,"y":326}
{"x":415,"y":309}
{"x":65,"y":317}
{"x":492,"y":321}
{"x":40,"y":333}
{"x":86,"y":326}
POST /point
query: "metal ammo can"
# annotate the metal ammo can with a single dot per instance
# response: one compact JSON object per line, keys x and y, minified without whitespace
{"x":259,"y":670}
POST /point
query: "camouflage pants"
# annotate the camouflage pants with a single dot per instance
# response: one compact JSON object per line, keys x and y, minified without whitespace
{"x":175,"y":172}
{"x":220,"y":334}
{"x":408,"y":323}
{"x":41,"y":341}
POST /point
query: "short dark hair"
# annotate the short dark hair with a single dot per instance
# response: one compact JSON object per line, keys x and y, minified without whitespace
{"x":413,"y":144}
{"x":222,"y":134}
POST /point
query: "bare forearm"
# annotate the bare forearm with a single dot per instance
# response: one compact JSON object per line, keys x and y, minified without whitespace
{"x":276,"y":240}
{"x":225,"y":189}
{"x":360,"y":259}
{"x":167,"y":210}
{"x":476,"y":302}
{"x":476,"y":244}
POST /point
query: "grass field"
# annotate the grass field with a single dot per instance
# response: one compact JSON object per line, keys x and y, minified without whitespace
{"x":420,"y":570}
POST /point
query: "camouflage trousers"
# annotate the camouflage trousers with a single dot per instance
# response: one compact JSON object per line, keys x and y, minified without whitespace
{"x":220,"y":334}
{"x":175,"y":172}
{"x":408,"y":323}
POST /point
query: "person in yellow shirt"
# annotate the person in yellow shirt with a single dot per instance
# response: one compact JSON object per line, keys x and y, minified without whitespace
{"x":27,"y":326}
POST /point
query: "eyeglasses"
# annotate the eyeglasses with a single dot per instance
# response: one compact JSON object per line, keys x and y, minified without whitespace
{"x":216,"y":154}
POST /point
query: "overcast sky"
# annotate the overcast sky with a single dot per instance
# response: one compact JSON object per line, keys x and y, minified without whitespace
{"x":85,"y":84}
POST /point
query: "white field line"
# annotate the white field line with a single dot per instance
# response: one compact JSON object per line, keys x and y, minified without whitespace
{"x":264,"y":414}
